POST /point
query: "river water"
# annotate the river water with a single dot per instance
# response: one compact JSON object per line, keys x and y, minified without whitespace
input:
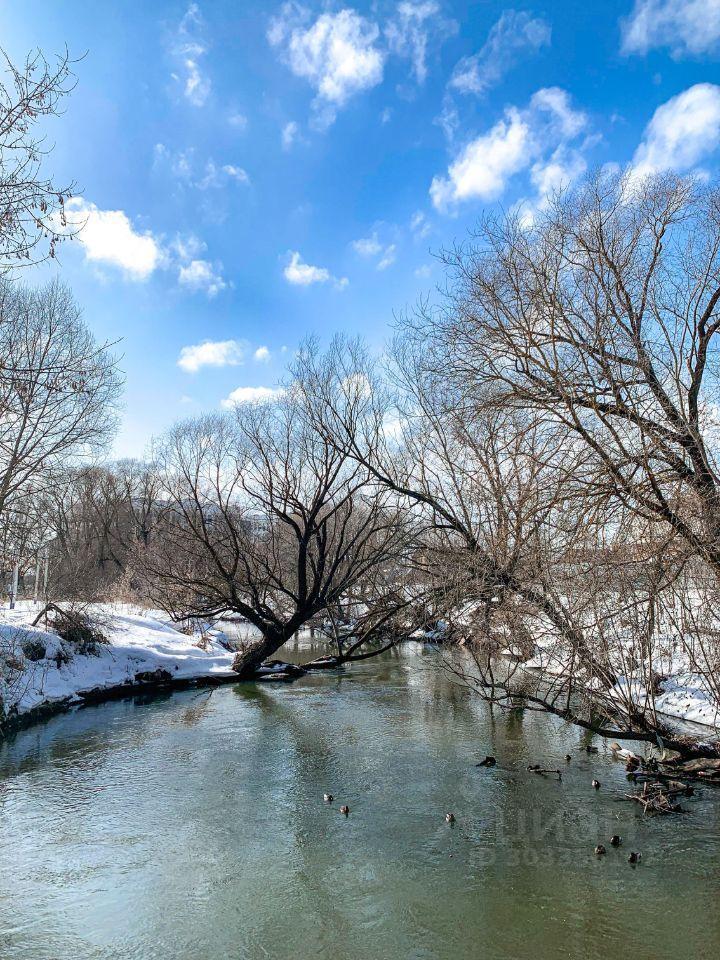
{"x":194,"y":828}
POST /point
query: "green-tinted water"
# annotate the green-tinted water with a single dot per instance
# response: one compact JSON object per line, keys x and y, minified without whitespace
{"x":194,"y":828}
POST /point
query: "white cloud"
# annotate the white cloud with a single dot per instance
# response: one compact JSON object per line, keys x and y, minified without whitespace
{"x":238,"y":120}
{"x":180,"y":164}
{"x":419,"y":225}
{"x":393,"y":427}
{"x":367,"y":246}
{"x":289,"y":134}
{"x":681,"y":132}
{"x":235,"y":173}
{"x":416,"y":24}
{"x":262,"y":355}
{"x":556,"y":102}
{"x":388,"y":257}
{"x":550,"y":176}
{"x":108,"y":236}
{"x":685,"y":26}
{"x":197,"y":85}
{"x":336,"y":54}
{"x":423,"y":271}
{"x":184,"y":167}
{"x":558,"y":172}
{"x":201,"y":275}
{"x":212,"y":353}
{"x":210,"y":177}
{"x":484,"y":166}
{"x":304,"y":274}
{"x":535,"y":137}
{"x":371,"y":247}
{"x":189,"y":47}
{"x":187,"y":246}
{"x":448,"y":119}
{"x":514,"y":35}
{"x":251,"y":395}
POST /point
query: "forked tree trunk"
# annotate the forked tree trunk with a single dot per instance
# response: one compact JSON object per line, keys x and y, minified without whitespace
{"x":247,"y":661}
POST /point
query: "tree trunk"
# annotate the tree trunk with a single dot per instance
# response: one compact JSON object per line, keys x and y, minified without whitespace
{"x":247,"y":661}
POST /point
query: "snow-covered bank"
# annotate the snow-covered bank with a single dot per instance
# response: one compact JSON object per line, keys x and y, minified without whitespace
{"x":139,"y":645}
{"x":40,"y":672}
{"x":682,"y":694}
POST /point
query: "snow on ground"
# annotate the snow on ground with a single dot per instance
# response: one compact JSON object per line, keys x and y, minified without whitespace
{"x":139,"y":641}
{"x":684,"y":694}
{"x":145,"y":641}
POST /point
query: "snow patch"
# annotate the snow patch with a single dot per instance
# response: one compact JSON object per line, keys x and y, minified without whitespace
{"x":138,"y":641}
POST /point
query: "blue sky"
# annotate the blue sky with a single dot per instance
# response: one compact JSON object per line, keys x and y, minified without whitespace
{"x":253,"y":172}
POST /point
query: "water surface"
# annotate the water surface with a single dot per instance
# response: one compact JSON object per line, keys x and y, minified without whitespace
{"x":193,"y":828}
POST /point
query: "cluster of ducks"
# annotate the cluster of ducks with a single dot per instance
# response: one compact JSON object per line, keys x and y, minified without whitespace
{"x":600,"y":849}
{"x":615,"y":841}
{"x":344,"y":809}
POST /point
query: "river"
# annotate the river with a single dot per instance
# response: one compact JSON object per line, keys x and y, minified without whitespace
{"x":193,"y":827}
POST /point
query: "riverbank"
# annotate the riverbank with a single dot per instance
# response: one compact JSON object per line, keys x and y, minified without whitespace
{"x":42,"y":674}
{"x":681,"y":694}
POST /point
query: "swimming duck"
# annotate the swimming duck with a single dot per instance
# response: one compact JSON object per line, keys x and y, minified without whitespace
{"x":634,"y":857}
{"x":450,"y":817}
{"x":596,"y":784}
{"x":615,"y":840}
{"x":600,"y":850}
{"x":328,"y":797}
{"x":487,"y":762}
{"x":345,"y":809}
{"x":568,"y":758}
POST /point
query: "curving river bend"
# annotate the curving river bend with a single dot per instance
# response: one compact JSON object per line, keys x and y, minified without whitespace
{"x":193,"y":828}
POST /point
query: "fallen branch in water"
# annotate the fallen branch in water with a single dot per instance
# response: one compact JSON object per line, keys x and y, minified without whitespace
{"x":536,"y":768}
{"x":707,"y":770}
{"x":657,"y":799}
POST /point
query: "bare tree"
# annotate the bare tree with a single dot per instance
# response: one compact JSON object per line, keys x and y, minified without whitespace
{"x":32,"y":220}
{"x":58,"y":392}
{"x":592,"y":333}
{"x":263,"y":518}
{"x":483,"y":488}
{"x":387,"y":606}
{"x":556,"y":601}
{"x":603,"y":317}
{"x":99,"y":519}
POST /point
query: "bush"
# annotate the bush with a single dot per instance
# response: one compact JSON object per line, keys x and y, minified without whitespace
{"x":77,"y":628}
{"x":33,"y":649}
{"x":80,"y":631}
